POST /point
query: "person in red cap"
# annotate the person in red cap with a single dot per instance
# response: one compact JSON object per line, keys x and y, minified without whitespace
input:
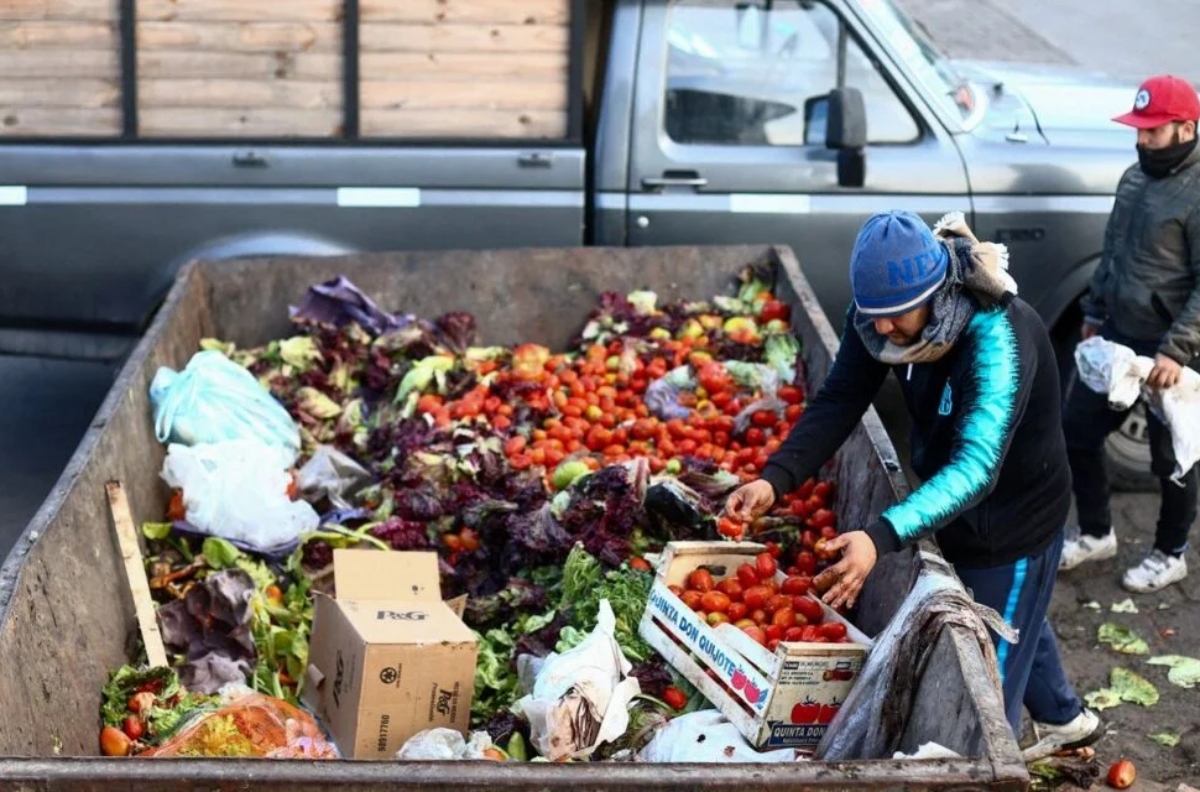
{"x":1145,"y":295}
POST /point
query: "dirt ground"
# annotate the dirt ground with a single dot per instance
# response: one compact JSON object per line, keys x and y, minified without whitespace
{"x":1089,"y":662}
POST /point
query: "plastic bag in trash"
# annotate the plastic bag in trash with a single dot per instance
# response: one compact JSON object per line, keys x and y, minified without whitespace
{"x":444,"y":744}
{"x":872,"y":721}
{"x":706,"y":736}
{"x":662,"y":396}
{"x":1115,"y":370}
{"x":331,"y":474}
{"x":214,"y":399}
{"x":250,"y":726}
{"x":237,"y":490}
{"x":578,"y":699}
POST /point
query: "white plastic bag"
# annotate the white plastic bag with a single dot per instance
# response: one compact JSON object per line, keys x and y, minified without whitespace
{"x":214,"y":399}
{"x":330,"y":473}
{"x":706,"y":736}
{"x":443,"y":744}
{"x":580,"y":698}
{"x":1115,"y":370}
{"x":237,"y":490}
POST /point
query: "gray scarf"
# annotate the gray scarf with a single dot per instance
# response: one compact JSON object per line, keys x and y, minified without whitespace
{"x":976,"y":276}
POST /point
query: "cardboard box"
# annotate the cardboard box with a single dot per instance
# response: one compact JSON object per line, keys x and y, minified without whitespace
{"x":780,"y":700}
{"x":388,"y":657}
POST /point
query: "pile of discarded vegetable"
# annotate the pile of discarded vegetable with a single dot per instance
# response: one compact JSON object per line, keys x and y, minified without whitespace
{"x":540,"y":478}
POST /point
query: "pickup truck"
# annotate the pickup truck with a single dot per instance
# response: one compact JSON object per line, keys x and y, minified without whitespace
{"x":687,"y":122}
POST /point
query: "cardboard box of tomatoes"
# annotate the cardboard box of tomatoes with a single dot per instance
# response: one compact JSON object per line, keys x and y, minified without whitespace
{"x":774,"y":659}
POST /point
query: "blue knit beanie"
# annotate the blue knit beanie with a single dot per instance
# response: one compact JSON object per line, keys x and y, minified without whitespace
{"x":897,"y":264}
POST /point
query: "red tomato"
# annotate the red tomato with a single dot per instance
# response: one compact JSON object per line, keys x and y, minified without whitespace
{"x":809,"y":608}
{"x":776,"y":602}
{"x":773,"y":645}
{"x":792,"y":634}
{"x":809,"y":634}
{"x":834,"y":632}
{"x":730,"y":528}
{"x":755,"y":436}
{"x":773,"y":309}
{"x":784,"y":617}
{"x":675,"y":698}
{"x":756,"y":596}
{"x":737,"y":611}
{"x":822,"y":518}
{"x":823,"y":490}
{"x":774,"y":632}
{"x":774,"y":549}
{"x":732,"y":588}
{"x":790,"y":394}
{"x":692,"y":599}
{"x":700,"y":580}
{"x":676,"y":590}
{"x":747,"y":576}
{"x":763,"y":418}
{"x":715,"y":602}
{"x":806,"y":563}
{"x":765,"y":565}
{"x":794,"y":585}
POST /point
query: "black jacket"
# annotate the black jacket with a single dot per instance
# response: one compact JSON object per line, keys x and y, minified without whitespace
{"x":1148,"y":282}
{"x":987,"y":439}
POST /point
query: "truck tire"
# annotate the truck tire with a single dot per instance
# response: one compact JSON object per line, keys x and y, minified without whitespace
{"x":1128,"y":455}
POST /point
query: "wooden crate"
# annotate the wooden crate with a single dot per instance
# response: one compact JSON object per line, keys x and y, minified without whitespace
{"x":464,"y":68}
{"x":230,"y":68}
{"x":60,"y":68}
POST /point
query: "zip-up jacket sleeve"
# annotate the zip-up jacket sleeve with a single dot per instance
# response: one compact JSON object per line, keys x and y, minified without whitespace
{"x":995,"y":391}
{"x":1094,"y":303}
{"x":830,"y":416}
{"x":1182,"y":341}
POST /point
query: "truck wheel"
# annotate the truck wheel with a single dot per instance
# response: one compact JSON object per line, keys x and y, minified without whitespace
{"x":1128,"y":452}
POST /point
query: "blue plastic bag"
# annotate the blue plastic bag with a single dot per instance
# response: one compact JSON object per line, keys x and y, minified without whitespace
{"x":213,"y":400}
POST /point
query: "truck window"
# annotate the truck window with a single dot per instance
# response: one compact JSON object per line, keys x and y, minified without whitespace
{"x":743,"y":74}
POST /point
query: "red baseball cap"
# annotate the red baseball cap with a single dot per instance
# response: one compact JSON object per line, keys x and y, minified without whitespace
{"x":1161,"y":100}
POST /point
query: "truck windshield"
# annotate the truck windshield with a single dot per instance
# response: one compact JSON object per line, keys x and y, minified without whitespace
{"x":931,"y":67}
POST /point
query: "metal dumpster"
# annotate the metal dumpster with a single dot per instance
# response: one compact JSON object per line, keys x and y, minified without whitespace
{"x":66,"y":618}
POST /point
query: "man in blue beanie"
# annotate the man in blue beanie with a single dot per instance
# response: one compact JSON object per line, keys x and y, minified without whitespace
{"x":979,"y":377}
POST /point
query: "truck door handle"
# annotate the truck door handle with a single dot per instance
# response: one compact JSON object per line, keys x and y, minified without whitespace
{"x":674,"y":179}
{"x":249,"y":159}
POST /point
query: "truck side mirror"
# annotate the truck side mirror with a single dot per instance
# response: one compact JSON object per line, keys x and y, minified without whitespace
{"x":846,"y":131}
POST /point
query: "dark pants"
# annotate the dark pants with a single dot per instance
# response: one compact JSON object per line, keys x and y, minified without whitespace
{"x":1087,"y":422}
{"x":1030,"y":670}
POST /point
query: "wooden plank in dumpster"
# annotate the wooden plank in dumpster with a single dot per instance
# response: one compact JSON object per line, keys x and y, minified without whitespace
{"x":65,"y":622}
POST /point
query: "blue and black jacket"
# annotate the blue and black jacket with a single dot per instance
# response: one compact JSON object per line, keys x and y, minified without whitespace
{"x":987,"y":439}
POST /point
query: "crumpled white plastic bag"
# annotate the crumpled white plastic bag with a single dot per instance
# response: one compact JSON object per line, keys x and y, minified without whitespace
{"x":706,"y":736}
{"x":579,"y":699}
{"x":237,"y":490}
{"x":1113,"y":369}
{"x":330,"y":473}
{"x":443,"y":744}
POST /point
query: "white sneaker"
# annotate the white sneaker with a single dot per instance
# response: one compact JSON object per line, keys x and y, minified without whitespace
{"x":1085,"y":729}
{"x":1079,"y":547}
{"x":1157,"y":571}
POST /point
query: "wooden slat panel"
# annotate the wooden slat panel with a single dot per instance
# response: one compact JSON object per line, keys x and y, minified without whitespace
{"x":44,"y":92}
{"x":551,"y":124}
{"x":241,"y":36}
{"x":239,"y":10}
{"x":58,"y":63}
{"x":75,"y":10}
{"x":474,"y":95}
{"x":517,"y":12}
{"x":408,"y":37}
{"x":409,"y":66}
{"x":241,"y":93}
{"x":266,"y":121}
{"x":254,"y":66}
{"x":32,"y":35}
{"x":21,"y":120}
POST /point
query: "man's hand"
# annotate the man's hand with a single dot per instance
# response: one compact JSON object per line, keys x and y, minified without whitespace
{"x":1165,"y":374}
{"x":845,"y":578}
{"x":1088,"y":330}
{"x":750,"y":501}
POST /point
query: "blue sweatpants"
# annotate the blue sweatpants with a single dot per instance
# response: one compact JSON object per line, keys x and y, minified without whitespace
{"x":1030,"y":670}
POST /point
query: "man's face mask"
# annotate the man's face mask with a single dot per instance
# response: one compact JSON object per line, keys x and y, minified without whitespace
{"x":1162,"y":150}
